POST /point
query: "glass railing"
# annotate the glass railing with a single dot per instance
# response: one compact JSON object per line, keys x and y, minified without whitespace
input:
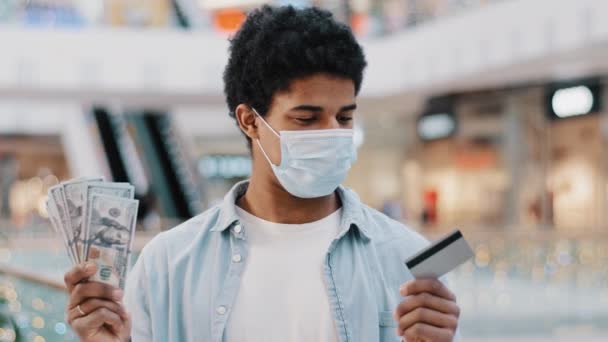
{"x":520,"y":284}
{"x":30,"y":288}
{"x":373,"y":18}
{"x":88,"y":13}
{"x":534,"y":284}
{"x":387,"y":17}
{"x":36,"y":310}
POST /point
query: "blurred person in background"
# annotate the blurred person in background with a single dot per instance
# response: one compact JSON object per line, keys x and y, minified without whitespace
{"x":290,"y":255}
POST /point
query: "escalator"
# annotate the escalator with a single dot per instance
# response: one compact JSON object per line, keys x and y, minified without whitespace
{"x":144,"y":149}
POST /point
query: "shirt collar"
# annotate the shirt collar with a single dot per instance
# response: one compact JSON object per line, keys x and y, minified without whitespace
{"x":351,"y":210}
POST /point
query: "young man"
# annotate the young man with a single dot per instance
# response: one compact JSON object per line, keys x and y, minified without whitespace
{"x":289,"y":255}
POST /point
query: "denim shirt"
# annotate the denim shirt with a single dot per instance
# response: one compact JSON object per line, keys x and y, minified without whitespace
{"x":185,"y":281}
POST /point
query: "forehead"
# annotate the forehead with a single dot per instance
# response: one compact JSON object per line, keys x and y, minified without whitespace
{"x":322,"y":90}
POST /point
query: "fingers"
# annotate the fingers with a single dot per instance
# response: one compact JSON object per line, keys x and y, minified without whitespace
{"x":127,"y":327}
{"x":432,"y":286}
{"x":84,"y":291}
{"x":427,"y":316}
{"x":425,"y":332}
{"x":426,"y":300}
{"x":78,"y":274}
{"x":91,"y":305}
{"x":430,"y":312}
{"x":94,"y":320}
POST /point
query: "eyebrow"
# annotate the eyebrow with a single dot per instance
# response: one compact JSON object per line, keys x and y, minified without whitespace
{"x":310,"y":108}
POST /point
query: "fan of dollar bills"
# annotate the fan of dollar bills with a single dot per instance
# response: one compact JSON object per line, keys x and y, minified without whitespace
{"x":96,"y":221}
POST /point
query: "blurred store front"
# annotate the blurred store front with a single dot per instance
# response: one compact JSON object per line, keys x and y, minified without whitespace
{"x":493,"y":159}
{"x":29,"y":165}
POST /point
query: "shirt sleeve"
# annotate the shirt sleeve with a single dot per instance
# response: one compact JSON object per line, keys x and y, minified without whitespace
{"x":136,"y":302}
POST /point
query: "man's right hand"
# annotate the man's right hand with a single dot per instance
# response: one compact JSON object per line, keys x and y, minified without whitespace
{"x":94,"y":310}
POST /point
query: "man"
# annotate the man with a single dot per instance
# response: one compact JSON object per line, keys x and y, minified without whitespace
{"x":289,"y":255}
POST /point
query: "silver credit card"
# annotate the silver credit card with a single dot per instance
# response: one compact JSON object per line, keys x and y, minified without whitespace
{"x":441,"y":257}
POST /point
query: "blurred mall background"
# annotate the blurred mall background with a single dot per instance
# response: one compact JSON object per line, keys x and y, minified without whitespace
{"x":490,"y":116}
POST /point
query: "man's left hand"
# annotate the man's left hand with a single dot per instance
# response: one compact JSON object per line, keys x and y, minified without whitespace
{"x":428,"y":314}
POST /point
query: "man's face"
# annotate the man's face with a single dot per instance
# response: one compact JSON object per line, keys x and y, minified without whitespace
{"x":317,"y":102}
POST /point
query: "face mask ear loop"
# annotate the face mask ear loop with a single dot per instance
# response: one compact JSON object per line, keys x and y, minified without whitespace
{"x":266,"y":123}
{"x":258,"y":140}
{"x":263,"y":152}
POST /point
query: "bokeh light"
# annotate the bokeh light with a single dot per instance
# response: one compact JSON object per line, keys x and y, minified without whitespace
{"x":38,"y":322}
{"x":60,"y":328}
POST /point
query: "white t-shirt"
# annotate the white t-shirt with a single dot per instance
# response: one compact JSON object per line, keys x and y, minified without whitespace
{"x":282,"y":295}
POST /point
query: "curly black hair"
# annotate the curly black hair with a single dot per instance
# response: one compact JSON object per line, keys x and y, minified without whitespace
{"x":277,"y":45}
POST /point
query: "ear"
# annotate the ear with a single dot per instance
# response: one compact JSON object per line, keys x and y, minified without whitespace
{"x":246,"y":120}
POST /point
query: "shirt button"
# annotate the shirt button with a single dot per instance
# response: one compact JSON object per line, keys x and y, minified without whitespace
{"x":237,"y":258}
{"x":221,"y":310}
{"x":238,"y":228}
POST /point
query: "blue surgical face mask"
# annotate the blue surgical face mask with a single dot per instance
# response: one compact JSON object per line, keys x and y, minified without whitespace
{"x":313,"y":162}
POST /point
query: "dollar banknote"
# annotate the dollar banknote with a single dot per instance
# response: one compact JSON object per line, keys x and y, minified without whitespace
{"x":57,"y":200}
{"x":74,"y":196}
{"x":121,"y":190}
{"x":55,"y":223}
{"x":111,"y":225}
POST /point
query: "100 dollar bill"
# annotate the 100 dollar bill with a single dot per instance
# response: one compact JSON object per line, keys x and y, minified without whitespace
{"x":56,"y":198}
{"x":111,"y":224}
{"x":74,"y":202}
{"x":54,"y":218}
{"x":121,"y":190}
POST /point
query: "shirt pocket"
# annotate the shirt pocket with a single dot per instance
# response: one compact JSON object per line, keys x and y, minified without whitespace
{"x":387,"y":327}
